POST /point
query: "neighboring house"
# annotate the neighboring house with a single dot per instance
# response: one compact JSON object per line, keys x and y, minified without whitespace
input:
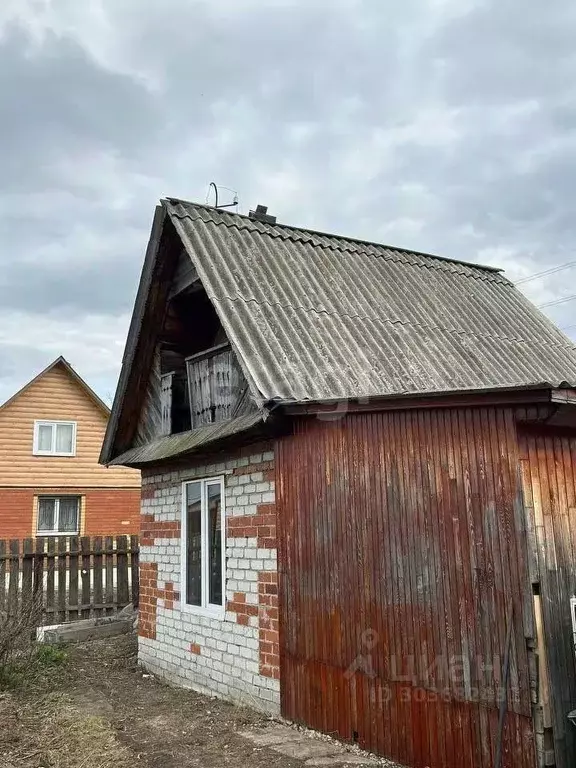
{"x":51,"y":432}
{"x":358,"y":469}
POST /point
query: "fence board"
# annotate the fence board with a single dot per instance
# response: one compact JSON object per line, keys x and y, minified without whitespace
{"x":39,"y":566}
{"x":73,"y":579}
{"x":86,"y":572}
{"x":109,"y":557}
{"x":122,"y":592}
{"x":2,"y":576}
{"x":13,"y":585}
{"x":98,"y":599}
{"x":48,"y":570}
{"x":27,"y":567}
{"x":50,"y":580}
{"x":60,"y":616}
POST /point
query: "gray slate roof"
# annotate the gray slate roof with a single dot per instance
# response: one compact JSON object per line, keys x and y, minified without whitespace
{"x":317,"y":317}
{"x":189,"y":442}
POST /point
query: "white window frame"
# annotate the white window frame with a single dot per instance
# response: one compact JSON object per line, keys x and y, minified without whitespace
{"x":54,"y":424}
{"x":206,"y":609}
{"x":57,"y":531}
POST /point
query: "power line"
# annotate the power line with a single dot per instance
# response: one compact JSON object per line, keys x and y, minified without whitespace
{"x":557,"y":301}
{"x":546,"y":272}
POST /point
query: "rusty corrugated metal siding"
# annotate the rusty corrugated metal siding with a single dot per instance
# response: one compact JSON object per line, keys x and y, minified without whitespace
{"x":402,"y":540}
{"x":549,"y":470}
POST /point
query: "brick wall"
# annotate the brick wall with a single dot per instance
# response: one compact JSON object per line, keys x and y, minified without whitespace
{"x":112,"y":512}
{"x":236,"y":657}
{"x":105,"y":512}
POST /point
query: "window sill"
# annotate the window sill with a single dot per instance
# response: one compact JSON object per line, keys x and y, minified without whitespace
{"x":46,"y":454}
{"x":207,"y":613}
{"x":56,"y":533}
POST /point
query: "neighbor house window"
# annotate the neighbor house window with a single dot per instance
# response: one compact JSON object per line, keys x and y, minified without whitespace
{"x":58,"y":514}
{"x":54,"y":438}
{"x":203,"y":545}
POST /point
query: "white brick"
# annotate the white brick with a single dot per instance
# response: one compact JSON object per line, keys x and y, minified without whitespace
{"x":229,"y":662}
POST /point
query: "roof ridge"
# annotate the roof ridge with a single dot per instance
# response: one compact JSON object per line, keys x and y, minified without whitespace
{"x":268,"y":229}
{"x":60,"y":360}
{"x":358,"y":316}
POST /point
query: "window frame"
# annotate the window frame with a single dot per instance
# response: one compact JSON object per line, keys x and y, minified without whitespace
{"x":57,"y":498}
{"x":54,"y":424}
{"x":205,"y":609}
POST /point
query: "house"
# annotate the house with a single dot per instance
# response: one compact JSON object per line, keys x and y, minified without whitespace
{"x":51,"y":432}
{"x":358,"y":488}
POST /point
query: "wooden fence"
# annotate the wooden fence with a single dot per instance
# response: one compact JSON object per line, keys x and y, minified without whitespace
{"x":69,"y":577}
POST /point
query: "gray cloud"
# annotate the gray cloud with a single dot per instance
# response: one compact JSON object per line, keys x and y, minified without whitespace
{"x":446,"y":126}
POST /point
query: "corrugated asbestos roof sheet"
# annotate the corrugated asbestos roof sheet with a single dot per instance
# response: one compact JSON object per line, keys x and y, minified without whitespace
{"x":317,"y":316}
{"x":188,"y":442}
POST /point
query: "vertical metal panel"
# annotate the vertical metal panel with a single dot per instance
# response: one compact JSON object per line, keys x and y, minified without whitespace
{"x":401,"y":544}
{"x":549,"y":472}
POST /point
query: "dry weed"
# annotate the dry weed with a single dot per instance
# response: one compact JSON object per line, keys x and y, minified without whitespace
{"x":57,"y":734}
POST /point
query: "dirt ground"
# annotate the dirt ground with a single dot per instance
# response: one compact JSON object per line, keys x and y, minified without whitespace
{"x":98,"y":710}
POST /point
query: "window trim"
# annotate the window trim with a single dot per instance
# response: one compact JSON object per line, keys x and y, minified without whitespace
{"x":54,"y":424}
{"x":206,"y":609}
{"x":57,"y":497}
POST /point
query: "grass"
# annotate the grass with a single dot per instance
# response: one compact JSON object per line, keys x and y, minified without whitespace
{"x":58,"y":732}
{"x":28,"y":667}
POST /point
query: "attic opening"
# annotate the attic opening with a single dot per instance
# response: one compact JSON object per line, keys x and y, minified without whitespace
{"x":201,"y":380}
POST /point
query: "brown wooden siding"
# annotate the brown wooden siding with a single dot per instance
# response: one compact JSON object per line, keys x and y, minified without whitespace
{"x":150,"y":419}
{"x":401,"y":542}
{"x":549,"y":471}
{"x":56,"y":396}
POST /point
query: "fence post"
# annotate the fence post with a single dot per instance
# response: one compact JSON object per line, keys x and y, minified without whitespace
{"x":122,"y":592}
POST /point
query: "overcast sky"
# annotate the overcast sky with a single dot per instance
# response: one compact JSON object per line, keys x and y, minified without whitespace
{"x":447,"y":126}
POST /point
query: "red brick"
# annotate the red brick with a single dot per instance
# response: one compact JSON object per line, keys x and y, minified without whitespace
{"x":267,"y":543}
{"x":263,"y":466}
{"x":267,"y":509}
{"x":195,"y":649}
{"x":107,"y":512}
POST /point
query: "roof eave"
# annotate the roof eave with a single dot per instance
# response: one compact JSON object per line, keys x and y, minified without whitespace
{"x":532,"y":393}
{"x":242,"y":430}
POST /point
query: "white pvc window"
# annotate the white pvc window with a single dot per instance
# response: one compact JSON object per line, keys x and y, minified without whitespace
{"x":203,"y":552}
{"x":54,"y":438}
{"x":58,"y":515}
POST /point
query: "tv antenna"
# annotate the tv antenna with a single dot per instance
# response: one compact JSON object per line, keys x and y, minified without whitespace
{"x":217,"y":203}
